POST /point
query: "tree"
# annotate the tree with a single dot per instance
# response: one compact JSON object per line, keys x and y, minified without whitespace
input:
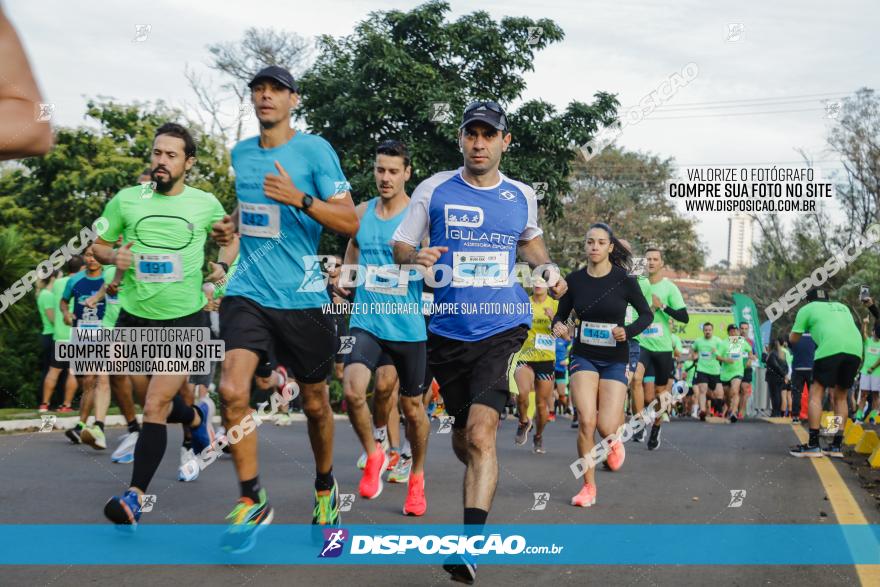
{"x":56,"y":195}
{"x":626,"y":190}
{"x":385,"y":80}
{"x":237,"y":63}
{"x":784,"y":256}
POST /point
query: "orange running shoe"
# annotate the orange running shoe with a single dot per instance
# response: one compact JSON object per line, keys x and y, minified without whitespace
{"x":415,"y":504}
{"x":371,"y":482}
{"x":616,"y":456}
{"x":585,"y":497}
{"x":393,"y":458}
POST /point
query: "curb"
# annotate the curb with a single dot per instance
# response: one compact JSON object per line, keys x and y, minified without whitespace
{"x":63,"y":423}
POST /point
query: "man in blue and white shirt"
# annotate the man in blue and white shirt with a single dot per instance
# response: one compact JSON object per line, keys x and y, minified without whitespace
{"x":477,"y":220}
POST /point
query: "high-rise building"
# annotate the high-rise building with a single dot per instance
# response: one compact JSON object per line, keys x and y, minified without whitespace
{"x":739,"y":241}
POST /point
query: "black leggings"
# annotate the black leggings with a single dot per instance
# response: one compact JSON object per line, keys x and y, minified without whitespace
{"x":799,"y":377}
{"x":775,"y":390}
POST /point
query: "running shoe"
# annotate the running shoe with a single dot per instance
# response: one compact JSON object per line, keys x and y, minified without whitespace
{"x":639,"y":436}
{"x":283,"y":420}
{"x":64,"y":410}
{"x":203,"y":434}
{"x":795,"y":420}
{"x":94,"y":437}
{"x":574,"y":420}
{"x":189,"y":466}
{"x":664,"y":417}
{"x":362,"y":460}
{"x":805,"y":450}
{"x":247,"y":519}
{"x":616,"y":456}
{"x":326,"y":512}
{"x":43,"y":408}
{"x":74,"y":433}
{"x":860,"y":414}
{"x":539,"y":444}
{"x":462,"y":568}
{"x":551,"y":417}
{"x":400,"y":474}
{"x":503,"y":415}
{"x":874,"y":417}
{"x":733,"y":419}
{"x":125,"y":510}
{"x":586,"y":497}
{"x":393,"y":459}
{"x":654,"y":439}
{"x":833,"y":451}
{"x":522,"y":432}
{"x":702,"y":415}
{"x":124,"y":453}
{"x":371,"y":481}
{"x":415,"y":504}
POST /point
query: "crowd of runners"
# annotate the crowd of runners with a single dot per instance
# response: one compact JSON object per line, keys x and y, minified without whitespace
{"x":598,"y":344}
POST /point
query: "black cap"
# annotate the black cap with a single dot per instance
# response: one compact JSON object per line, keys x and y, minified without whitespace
{"x":817,"y":294}
{"x":278,"y":74}
{"x":485,"y":111}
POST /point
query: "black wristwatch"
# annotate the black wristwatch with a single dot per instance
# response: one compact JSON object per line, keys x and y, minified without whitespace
{"x":307,"y":202}
{"x":224,"y":265}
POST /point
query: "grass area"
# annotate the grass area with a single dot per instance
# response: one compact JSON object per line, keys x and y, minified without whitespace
{"x":24,"y":414}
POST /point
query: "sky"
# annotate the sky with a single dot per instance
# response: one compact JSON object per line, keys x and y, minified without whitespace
{"x":765,"y":70}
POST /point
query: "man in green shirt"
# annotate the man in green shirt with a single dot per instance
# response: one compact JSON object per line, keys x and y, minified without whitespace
{"x":46,"y":308}
{"x":837,"y":359}
{"x":164,"y":230}
{"x":708,"y":370}
{"x":731,"y":354}
{"x":61,"y":331}
{"x":656,"y":340}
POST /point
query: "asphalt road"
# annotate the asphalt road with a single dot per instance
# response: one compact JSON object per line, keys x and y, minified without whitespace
{"x":688,"y":480}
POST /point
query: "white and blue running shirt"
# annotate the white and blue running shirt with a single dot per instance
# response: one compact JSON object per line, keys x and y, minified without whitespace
{"x":481,"y":227}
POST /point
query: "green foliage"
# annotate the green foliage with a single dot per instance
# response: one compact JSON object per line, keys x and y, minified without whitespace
{"x":382,"y":82}
{"x":626,"y":190}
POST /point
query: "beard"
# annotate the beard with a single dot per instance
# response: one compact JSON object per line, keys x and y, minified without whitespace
{"x":163,"y":182}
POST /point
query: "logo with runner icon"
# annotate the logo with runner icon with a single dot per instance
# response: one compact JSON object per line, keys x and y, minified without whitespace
{"x":542,"y":498}
{"x":334,"y":542}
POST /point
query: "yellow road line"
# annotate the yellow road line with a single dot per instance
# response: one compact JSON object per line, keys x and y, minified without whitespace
{"x":843,"y":503}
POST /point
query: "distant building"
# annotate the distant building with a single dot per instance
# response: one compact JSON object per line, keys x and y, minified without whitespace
{"x":739,"y":242}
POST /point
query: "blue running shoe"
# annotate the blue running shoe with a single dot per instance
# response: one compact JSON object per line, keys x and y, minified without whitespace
{"x":805,"y":450}
{"x":125,"y":510}
{"x":203,"y":434}
{"x":462,"y":568}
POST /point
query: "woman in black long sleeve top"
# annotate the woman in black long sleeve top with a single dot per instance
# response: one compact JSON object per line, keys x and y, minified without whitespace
{"x":776,"y":377}
{"x":598,"y":295}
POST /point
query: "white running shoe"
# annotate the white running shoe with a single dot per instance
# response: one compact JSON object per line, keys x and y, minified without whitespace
{"x":189,"y":466}
{"x":124,"y":453}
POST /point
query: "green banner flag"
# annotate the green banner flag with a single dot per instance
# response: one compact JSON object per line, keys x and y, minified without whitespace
{"x":744,"y":310}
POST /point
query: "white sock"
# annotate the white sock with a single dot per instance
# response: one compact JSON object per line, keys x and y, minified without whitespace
{"x":381,"y":433}
{"x":406,"y":449}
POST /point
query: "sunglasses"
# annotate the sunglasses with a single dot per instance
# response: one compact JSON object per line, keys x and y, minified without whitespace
{"x":488,"y":105}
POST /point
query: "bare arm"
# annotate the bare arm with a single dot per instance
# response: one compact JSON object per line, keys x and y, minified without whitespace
{"x":23,"y":134}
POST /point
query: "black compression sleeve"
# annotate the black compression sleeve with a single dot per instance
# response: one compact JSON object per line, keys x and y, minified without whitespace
{"x":680,"y":315}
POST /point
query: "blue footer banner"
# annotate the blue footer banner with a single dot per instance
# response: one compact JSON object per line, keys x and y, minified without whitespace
{"x":520,"y":544}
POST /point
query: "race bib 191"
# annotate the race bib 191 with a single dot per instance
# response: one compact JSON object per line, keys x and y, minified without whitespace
{"x":597,"y":334}
{"x":480,"y":269}
{"x":162,"y":268}
{"x":259,"y":220}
